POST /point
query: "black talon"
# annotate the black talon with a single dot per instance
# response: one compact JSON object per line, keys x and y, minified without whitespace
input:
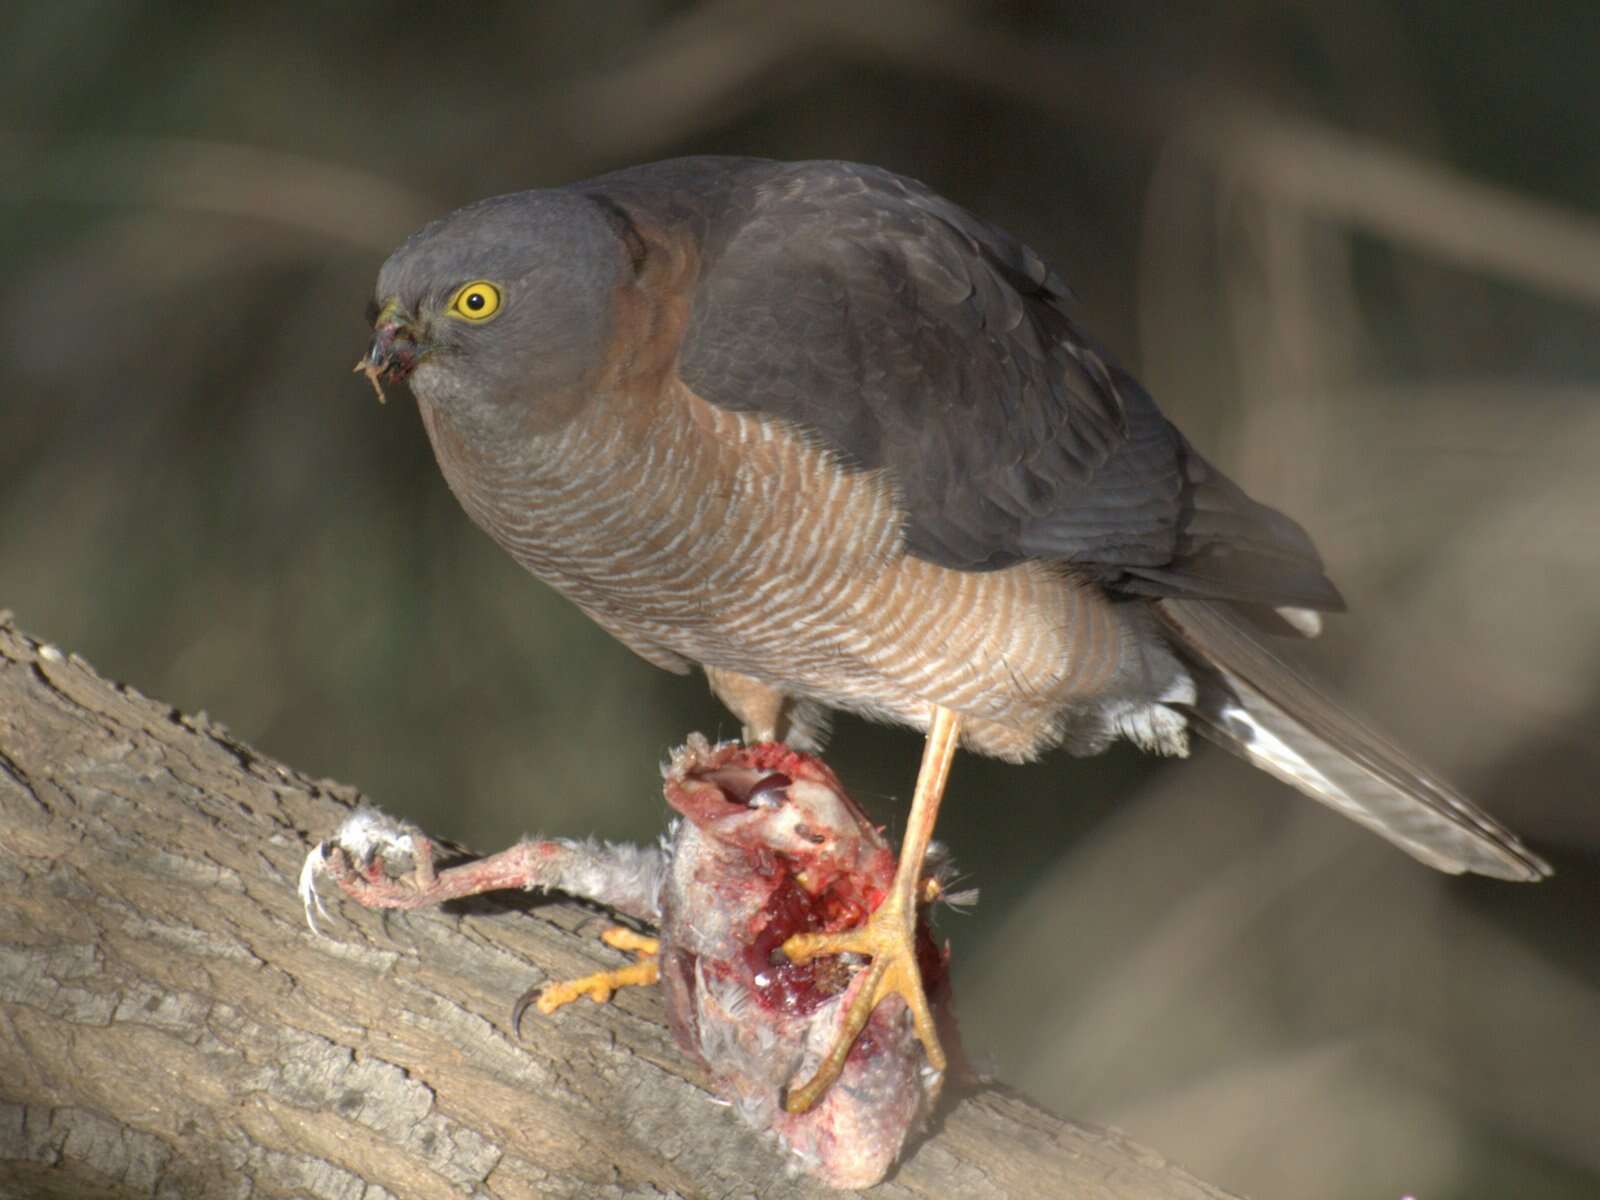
{"x":520,"y":1008}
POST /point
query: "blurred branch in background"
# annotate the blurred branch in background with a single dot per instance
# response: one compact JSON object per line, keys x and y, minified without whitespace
{"x":1344,"y":244}
{"x":1361,"y":185}
{"x":247,"y":183}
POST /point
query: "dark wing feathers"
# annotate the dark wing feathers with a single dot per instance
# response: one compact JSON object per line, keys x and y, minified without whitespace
{"x":910,"y":336}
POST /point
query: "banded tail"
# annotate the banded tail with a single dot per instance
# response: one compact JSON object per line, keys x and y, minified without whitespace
{"x":1255,"y":705}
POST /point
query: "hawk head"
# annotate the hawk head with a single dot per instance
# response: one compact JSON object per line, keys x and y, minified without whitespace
{"x":506,"y":302}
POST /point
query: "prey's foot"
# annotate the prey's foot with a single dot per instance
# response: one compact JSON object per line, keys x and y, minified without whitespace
{"x":890,"y":938}
{"x":599,"y":986}
{"x":377,"y":861}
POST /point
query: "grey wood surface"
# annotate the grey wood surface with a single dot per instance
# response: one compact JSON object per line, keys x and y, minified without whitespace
{"x":169,"y":1027}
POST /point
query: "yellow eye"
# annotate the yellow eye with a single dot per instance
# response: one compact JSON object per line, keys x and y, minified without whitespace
{"x":476,"y":301}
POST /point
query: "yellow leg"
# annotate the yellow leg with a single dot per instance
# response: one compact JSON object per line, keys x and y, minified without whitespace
{"x":599,"y":986}
{"x":889,"y":936}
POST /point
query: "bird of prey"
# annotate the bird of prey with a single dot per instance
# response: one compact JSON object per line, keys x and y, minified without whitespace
{"x":844,"y":445}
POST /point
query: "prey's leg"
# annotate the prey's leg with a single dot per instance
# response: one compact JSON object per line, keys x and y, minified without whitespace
{"x":372,"y":886}
{"x":642,"y":972}
{"x":380,"y":862}
{"x":889,"y":935}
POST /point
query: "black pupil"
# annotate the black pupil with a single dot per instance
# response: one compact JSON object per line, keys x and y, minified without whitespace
{"x":475,"y":301}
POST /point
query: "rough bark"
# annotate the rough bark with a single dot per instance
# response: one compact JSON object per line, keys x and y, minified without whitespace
{"x":169,"y":1027}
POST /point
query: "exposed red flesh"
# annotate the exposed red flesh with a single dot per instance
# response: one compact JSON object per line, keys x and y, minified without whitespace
{"x":833,"y":890}
{"x":776,"y":982}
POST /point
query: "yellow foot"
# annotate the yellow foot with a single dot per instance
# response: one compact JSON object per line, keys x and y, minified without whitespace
{"x":889,"y":936}
{"x":599,"y":986}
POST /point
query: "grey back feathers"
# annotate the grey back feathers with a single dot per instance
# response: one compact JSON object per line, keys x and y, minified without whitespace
{"x":911,"y":336}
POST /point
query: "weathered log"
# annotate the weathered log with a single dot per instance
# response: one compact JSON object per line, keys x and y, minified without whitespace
{"x":169,"y":1027}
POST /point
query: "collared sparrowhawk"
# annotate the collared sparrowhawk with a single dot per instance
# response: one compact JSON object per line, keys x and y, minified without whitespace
{"x":841,"y":443}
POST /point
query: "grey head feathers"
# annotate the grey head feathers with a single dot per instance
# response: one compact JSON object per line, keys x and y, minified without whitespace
{"x":556,"y":258}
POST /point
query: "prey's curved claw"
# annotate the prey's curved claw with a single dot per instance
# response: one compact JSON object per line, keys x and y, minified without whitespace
{"x":599,"y":986}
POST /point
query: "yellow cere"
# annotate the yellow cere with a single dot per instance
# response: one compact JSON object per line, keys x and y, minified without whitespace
{"x":476,"y":301}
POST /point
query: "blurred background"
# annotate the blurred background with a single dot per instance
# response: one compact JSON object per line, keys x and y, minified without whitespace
{"x":1353,"y":249}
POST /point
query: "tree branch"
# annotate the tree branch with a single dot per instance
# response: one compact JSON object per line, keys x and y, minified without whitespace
{"x":169,"y":1027}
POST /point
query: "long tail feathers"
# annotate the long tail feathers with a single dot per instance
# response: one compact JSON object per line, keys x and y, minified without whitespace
{"x":1255,"y":705}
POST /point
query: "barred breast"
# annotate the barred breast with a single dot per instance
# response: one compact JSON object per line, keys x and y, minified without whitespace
{"x":695,"y":533}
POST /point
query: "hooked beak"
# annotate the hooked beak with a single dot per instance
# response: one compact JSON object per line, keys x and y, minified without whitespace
{"x":393,"y":352}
